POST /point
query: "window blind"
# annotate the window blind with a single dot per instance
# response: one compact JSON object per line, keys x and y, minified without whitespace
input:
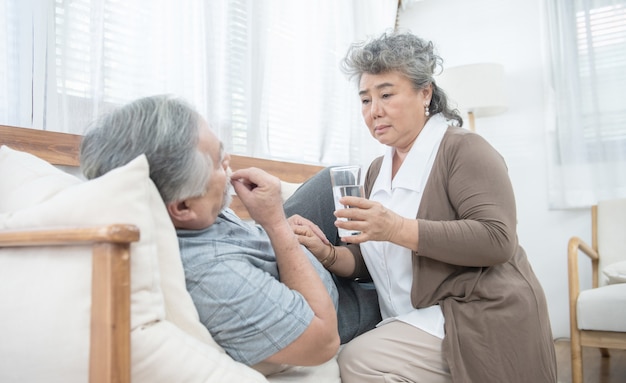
{"x":265,"y":74}
{"x":9,"y":62}
{"x":601,"y":43}
{"x":588,"y":77}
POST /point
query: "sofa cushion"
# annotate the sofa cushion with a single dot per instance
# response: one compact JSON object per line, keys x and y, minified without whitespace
{"x":27,"y":180}
{"x":603,"y":308}
{"x":327,"y":373}
{"x":610,"y":237}
{"x":615,"y":272}
{"x":45,"y":292}
{"x":287,"y":189}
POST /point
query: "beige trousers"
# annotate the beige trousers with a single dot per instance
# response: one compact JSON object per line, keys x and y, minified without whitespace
{"x":394,"y":352}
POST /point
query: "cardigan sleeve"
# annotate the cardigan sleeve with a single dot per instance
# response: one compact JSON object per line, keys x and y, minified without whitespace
{"x":467,"y":216}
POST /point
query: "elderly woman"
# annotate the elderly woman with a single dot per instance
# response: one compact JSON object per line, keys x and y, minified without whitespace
{"x":458,"y":297}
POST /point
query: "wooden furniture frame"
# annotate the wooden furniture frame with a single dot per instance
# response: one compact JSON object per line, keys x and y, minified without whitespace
{"x":109,"y":359}
{"x":581,"y":338}
{"x":109,"y":353}
{"x":63,"y":149}
{"x":286,"y":171}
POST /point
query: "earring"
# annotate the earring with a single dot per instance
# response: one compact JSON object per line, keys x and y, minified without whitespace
{"x":426,"y":111}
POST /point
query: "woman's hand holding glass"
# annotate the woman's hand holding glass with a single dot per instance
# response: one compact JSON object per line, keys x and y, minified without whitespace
{"x":372,"y":219}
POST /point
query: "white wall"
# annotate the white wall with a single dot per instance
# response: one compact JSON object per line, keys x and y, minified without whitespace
{"x":511,"y":32}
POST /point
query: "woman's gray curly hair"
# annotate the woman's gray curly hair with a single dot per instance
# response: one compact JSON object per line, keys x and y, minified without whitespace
{"x":407,"y":54}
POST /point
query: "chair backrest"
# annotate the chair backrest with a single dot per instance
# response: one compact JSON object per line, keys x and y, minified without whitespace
{"x":611,"y":233}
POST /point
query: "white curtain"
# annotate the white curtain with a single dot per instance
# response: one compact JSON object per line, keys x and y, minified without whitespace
{"x":264,"y":73}
{"x":587,"y":138}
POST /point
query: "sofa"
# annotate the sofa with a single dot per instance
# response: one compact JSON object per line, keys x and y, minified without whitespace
{"x":45,"y":291}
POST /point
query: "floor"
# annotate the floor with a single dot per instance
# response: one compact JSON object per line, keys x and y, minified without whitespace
{"x":596,"y":369}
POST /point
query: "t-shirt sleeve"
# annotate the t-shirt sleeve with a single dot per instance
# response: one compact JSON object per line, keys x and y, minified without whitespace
{"x":247,"y":311}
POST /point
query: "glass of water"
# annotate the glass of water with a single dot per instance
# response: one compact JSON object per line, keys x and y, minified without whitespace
{"x":346,"y":181}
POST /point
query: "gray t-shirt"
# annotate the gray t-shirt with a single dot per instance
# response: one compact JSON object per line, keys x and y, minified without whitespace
{"x":232,"y":276}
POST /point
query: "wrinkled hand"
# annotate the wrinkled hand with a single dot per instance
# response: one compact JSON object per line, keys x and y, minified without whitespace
{"x":373,"y":220}
{"x":309,"y":235}
{"x":259,"y":191}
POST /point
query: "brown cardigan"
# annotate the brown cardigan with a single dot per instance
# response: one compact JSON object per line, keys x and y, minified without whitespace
{"x":469,"y":262}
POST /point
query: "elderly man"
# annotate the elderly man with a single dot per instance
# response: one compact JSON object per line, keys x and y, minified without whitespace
{"x":262,"y":296}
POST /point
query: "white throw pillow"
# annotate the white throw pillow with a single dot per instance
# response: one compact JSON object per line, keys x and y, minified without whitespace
{"x":287,"y":189}
{"x":45,"y":292}
{"x":615,"y":272}
{"x":27,"y":180}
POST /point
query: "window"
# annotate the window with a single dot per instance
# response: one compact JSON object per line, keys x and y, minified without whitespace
{"x":588,"y":74}
{"x":265,"y":74}
{"x":14,"y":106}
{"x":601,"y":37}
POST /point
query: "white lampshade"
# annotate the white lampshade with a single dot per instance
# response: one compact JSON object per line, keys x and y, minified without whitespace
{"x":475,"y":88}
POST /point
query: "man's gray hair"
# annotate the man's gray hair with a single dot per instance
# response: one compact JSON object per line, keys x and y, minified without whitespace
{"x":166,"y":130}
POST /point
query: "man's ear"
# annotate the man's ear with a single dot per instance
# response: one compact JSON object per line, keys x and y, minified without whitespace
{"x":180,"y":212}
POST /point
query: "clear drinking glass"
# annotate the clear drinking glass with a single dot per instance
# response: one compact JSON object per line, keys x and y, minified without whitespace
{"x":346,"y":181}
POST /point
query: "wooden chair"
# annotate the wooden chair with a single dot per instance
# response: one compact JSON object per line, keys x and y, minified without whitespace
{"x":600,"y":255}
{"x":109,"y":359}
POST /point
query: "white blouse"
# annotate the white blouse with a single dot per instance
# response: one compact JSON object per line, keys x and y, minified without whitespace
{"x":390,"y":265}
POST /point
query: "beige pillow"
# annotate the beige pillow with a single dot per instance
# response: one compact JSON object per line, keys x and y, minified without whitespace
{"x":27,"y":180}
{"x":615,"y":272}
{"x":45,"y":292}
{"x":287,"y":189}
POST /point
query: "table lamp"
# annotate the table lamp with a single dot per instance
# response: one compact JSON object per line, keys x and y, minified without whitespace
{"x":477,"y":89}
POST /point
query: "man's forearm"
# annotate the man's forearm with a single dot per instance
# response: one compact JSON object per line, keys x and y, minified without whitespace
{"x":321,"y":339}
{"x":296,"y":270}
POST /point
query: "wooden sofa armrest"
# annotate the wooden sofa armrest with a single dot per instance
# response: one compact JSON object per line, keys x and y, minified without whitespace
{"x":109,"y":355}
{"x":574,"y":247}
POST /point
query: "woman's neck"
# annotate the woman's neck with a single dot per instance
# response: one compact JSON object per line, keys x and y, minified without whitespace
{"x":396,"y":161}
